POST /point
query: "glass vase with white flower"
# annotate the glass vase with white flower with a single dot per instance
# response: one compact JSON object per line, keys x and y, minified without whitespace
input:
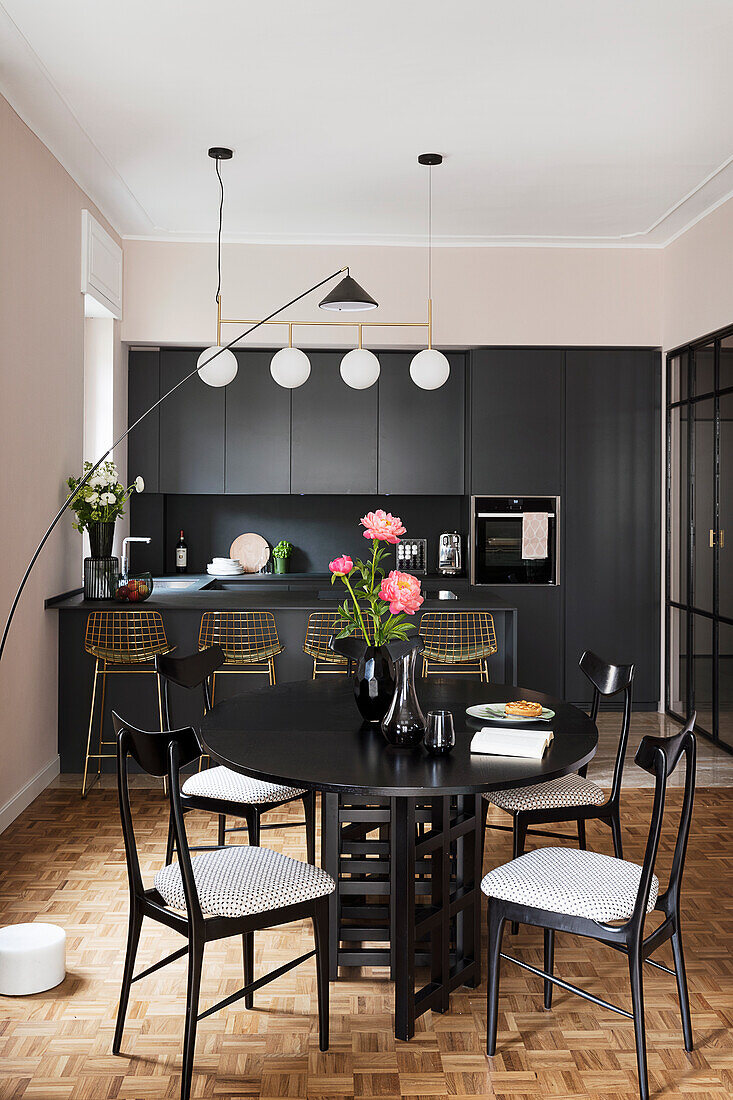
{"x":376,"y":619}
{"x":98,"y":503}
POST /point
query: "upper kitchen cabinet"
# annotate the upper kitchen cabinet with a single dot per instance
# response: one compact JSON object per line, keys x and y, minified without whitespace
{"x":421,"y":432}
{"x":516,"y":421}
{"x":334,"y":432}
{"x":143,"y":390}
{"x":191,"y":428}
{"x":611,"y":514}
{"x":257,"y":441}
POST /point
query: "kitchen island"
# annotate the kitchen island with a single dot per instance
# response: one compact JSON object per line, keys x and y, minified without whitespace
{"x":182,"y":600}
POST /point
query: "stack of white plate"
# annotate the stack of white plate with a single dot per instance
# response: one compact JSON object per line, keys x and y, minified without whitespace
{"x":224,"y":567}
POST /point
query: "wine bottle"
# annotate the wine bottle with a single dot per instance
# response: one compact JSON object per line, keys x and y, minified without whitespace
{"x":181,"y":554}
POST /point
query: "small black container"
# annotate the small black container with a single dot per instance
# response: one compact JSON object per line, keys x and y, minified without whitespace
{"x":374,"y":678}
{"x":100,"y":576}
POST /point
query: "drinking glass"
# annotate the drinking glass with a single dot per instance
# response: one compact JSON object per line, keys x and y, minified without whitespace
{"x":440,"y":736}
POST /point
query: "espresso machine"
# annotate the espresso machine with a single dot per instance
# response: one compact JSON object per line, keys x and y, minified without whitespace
{"x":450,"y":553}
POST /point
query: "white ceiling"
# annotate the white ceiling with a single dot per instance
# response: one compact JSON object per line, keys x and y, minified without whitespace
{"x":571,"y":121}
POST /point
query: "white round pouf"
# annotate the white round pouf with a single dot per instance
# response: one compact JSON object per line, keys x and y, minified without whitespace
{"x":32,"y":958}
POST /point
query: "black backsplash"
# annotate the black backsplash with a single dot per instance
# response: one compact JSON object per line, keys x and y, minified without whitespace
{"x":320,"y":527}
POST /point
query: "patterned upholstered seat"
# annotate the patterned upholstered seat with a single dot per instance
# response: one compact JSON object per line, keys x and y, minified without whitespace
{"x":223,"y":783}
{"x":571,"y":881}
{"x":242,"y":880}
{"x":568,"y":790}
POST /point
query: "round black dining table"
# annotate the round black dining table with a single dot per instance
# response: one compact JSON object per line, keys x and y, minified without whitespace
{"x":401,"y":830}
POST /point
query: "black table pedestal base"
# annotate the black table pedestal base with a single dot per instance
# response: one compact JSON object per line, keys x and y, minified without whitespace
{"x":408,"y":873}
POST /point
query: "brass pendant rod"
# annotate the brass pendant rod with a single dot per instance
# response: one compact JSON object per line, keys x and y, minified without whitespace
{"x":329,"y":324}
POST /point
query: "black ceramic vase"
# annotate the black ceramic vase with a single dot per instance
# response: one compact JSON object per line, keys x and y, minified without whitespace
{"x":101,"y":537}
{"x":374,"y":678}
{"x":404,"y":723}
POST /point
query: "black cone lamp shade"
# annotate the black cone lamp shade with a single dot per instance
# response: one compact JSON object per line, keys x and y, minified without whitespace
{"x":348,"y":297}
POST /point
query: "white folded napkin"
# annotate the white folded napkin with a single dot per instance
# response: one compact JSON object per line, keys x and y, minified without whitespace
{"x":499,"y":741}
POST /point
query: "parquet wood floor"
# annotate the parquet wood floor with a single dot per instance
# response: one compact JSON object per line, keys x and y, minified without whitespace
{"x":63,"y":861}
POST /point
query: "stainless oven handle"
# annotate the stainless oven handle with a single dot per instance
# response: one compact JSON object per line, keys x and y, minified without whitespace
{"x":506,"y":515}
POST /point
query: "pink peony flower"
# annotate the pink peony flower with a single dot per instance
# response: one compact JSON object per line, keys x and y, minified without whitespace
{"x":402,"y":592}
{"x":341,"y":566}
{"x":382,"y":525}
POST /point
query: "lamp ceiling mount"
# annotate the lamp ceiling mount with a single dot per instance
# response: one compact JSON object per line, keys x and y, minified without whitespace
{"x":220,"y":152}
{"x":429,"y":159}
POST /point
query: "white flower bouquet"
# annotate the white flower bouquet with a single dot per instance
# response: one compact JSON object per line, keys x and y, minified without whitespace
{"x":103,"y":498}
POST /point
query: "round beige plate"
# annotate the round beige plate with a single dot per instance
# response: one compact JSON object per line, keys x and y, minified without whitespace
{"x":252,"y":550}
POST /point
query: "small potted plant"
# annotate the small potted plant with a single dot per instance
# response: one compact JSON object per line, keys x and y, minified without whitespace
{"x":281,"y":556}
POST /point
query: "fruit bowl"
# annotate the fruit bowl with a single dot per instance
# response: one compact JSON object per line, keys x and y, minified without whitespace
{"x":133,"y":589}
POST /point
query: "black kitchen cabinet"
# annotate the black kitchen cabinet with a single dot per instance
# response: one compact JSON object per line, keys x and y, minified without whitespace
{"x":421,"y":432}
{"x":143,"y":390}
{"x":257,"y":439}
{"x":540,"y":664}
{"x":191,"y":428}
{"x":611,"y":514}
{"x":334,"y":432}
{"x":516,"y":421}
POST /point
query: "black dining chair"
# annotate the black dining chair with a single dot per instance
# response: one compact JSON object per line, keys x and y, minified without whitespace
{"x":220,"y":790}
{"x":571,"y":890}
{"x":233,"y":891}
{"x":573,"y":797}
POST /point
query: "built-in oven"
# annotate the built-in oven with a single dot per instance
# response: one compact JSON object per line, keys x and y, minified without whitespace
{"x":498,"y":540}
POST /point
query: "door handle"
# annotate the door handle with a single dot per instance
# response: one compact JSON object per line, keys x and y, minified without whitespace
{"x":712,"y":538}
{"x":721,"y":539}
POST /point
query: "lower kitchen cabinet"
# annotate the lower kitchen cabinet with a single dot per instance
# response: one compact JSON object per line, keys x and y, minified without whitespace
{"x":540,"y":664}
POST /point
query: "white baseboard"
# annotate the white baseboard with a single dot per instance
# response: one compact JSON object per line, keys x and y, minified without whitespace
{"x":26,"y":794}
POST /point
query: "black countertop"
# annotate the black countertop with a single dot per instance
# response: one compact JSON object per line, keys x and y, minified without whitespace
{"x":268,"y":591}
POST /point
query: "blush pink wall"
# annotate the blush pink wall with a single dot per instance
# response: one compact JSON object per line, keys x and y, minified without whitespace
{"x":698,"y":279}
{"x":42,"y":326}
{"x":481,"y":295}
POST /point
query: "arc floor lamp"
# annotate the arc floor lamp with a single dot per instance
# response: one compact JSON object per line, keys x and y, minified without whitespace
{"x":347,"y":295}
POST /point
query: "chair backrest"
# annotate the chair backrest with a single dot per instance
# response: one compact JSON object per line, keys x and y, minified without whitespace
{"x":189,"y":672}
{"x":659,"y":756}
{"x":453,"y":634}
{"x":241,"y":634}
{"x":320,"y":628}
{"x":127,"y":633}
{"x":608,"y":680}
{"x":160,"y":754}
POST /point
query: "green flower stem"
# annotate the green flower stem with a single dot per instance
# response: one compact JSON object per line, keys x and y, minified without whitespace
{"x":345,"y":579}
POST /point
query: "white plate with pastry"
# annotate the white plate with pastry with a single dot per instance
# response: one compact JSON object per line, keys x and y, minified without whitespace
{"x":516,"y":710}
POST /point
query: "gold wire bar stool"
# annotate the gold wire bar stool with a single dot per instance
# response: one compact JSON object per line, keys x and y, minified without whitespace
{"x":321,"y":626}
{"x":464,"y":640}
{"x":249,"y":640}
{"x":126,"y":639}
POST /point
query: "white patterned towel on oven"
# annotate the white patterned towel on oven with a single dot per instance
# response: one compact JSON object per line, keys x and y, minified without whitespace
{"x":534,"y":535}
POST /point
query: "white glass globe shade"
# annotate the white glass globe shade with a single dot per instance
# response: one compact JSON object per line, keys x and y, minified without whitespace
{"x":220,"y":371}
{"x":290,"y":367}
{"x":429,"y":369}
{"x":359,"y":368}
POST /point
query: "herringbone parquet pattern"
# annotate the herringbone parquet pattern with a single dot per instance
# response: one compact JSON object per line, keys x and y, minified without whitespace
{"x":63,"y":861}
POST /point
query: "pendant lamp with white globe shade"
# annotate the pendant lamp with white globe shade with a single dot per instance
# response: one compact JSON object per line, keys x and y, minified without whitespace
{"x":430,"y":369}
{"x":360,"y":368}
{"x":221,"y":370}
{"x":290,"y":367}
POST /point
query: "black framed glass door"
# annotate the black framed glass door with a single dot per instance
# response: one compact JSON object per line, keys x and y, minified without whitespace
{"x":699,"y":576}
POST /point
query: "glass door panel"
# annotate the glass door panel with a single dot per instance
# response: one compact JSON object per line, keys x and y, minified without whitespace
{"x":725,"y":551}
{"x":679,"y":479}
{"x":726,"y":362}
{"x":678,"y":388}
{"x":703,"y":504}
{"x":677,"y":647}
{"x":702,"y":671}
{"x":705,"y":369}
{"x":725,"y":684}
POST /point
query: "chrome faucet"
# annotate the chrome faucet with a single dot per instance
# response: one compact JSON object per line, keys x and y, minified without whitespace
{"x":125,"y":555}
